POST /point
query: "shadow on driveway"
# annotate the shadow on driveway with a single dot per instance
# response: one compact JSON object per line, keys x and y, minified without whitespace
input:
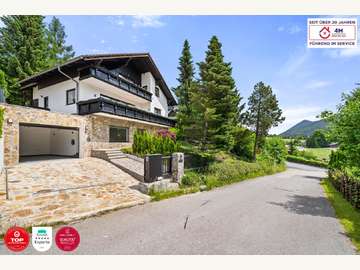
{"x":307,"y":205}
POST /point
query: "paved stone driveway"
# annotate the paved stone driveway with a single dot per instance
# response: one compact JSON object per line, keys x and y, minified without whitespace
{"x":62,"y":190}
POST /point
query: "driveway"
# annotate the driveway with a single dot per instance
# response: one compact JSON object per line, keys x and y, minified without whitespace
{"x":286,"y":213}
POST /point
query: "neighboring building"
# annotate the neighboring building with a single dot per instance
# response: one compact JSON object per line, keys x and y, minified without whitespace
{"x":89,"y":102}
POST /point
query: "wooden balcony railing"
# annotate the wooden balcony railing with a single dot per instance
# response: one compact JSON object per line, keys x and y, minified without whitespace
{"x":113,"y":79}
{"x":112,"y":107}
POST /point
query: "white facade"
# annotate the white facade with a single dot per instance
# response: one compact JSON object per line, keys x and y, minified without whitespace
{"x":91,"y":88}
{"x":160,"y":102}
{"x":57,"y":96}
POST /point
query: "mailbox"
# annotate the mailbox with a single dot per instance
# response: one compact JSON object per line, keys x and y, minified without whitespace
{"x":152,"y":168}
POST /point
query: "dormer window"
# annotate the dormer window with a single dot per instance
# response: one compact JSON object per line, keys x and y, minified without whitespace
{"x":157,"y":91}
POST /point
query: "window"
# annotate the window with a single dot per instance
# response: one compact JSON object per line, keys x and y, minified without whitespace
{"x":70,"y":96}
{"x":46,"y":102}
{"x":157,"y":91}
{"x":157,"y":111}
{"x":35,"y":102}
{"x":119,"y":134}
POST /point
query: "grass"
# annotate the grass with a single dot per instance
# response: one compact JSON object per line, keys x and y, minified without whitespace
{"x":348,"y":215}
{"x":220,"y":173}
{"x":158,"y":196}
{"x":320,"y":153}
{"x":302,"y":160}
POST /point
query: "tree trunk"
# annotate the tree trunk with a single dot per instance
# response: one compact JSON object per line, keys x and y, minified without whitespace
{"x":257,"y":132}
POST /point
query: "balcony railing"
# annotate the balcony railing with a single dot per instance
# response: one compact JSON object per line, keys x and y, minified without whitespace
{"x":111,"y":78}
{"x":108,"y":106}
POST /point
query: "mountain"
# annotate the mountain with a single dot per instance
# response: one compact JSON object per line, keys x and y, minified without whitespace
{"x":304,"y":128}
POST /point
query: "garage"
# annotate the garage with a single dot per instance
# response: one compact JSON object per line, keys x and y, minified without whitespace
{"x":44,"y":142}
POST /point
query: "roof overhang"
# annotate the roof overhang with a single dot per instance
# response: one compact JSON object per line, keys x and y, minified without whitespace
{"x":143,"y":61}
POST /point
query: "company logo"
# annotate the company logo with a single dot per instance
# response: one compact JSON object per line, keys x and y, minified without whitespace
{"x":16,"y":239}
{"x":67,"y":238}
{"x":332,"y":33}
{"x":41,"y":238}
{"x":325,"y":32}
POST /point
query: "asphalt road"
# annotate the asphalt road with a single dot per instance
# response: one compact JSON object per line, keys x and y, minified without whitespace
{"x":286,"y":213}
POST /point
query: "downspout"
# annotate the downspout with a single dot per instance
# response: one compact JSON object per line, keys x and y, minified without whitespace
{"x":76,"y":82}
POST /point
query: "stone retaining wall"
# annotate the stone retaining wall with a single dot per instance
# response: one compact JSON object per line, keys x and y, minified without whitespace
{"x":14,"y":115}
{"x":93,"y":129}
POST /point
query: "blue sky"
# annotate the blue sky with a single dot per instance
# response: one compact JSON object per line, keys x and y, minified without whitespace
{"x":261,"y":48}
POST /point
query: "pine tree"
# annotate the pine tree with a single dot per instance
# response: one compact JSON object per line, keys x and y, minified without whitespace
{"x":183,"y":91}
{"x":263,"y":113}
{"x":221,"y":98}
{"x":59,"y":52}
{"x":23,"y":51}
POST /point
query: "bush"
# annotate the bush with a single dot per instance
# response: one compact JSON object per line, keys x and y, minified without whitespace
{"x":231,"y":171}
{"x":306,"y":155}
{"x":192,"y":178}
{"x":145,"y":143}
{"x":275,"y":148}
{"x":244,"y":140}
{"x":305,"y":161}
{"x":317,"y":140}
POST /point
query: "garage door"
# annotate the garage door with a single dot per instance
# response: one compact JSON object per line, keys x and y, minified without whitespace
{"x":41,"y":140}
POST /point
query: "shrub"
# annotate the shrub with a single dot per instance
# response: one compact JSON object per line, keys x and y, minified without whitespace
{"x":305,"y":161}
{"x":306,"y":155}
{"x":275,"y":148}
{"x":145,"y":143}
{"x":231,"y":171}
{"x":192,"y":178}
{"x":317,"y":140}
{"x":244,"y":140}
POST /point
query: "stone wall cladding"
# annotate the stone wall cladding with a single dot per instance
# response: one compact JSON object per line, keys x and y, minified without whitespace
{"x":93,"y":129}
{"x":14,"y":115}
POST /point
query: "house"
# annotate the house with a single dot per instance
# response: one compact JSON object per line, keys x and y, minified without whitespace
{"x":90,"y":102}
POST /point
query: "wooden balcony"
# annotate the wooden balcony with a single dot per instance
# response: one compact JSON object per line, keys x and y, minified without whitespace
{"x":102,"y":105}
{"x":113,"y":79}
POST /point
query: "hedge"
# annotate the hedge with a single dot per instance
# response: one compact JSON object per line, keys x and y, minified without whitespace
{"x":305,"y":161}
{"x":348,"y":185}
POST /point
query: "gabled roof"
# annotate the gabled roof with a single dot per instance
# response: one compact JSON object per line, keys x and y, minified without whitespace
{"x":83,"y":60}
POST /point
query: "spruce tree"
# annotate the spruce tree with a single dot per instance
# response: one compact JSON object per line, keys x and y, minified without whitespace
{"x":59,"y":52}
{"x":263,"y":113}
{"x":183,"y":91}
{"x":220,"y":97}
{"x":23,"y":51}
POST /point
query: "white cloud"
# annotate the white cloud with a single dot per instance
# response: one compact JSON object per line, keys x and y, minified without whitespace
{"x":117,"y":20}
{"x":295,"y":63}
{"x":343,"y":53}
{"x":147,"y":21}
{"x":291,"y":29}
{"x":295,"y":115}
{"x":318,"y":84}
{"x":294,"y":29}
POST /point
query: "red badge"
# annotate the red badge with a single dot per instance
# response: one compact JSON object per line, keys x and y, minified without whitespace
{"x":16,"y":239}
{"x":67,"y":238}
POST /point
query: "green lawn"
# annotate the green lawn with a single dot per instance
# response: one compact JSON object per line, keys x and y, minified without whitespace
{"x":345,"y":212}
{"x":320,"y":153}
